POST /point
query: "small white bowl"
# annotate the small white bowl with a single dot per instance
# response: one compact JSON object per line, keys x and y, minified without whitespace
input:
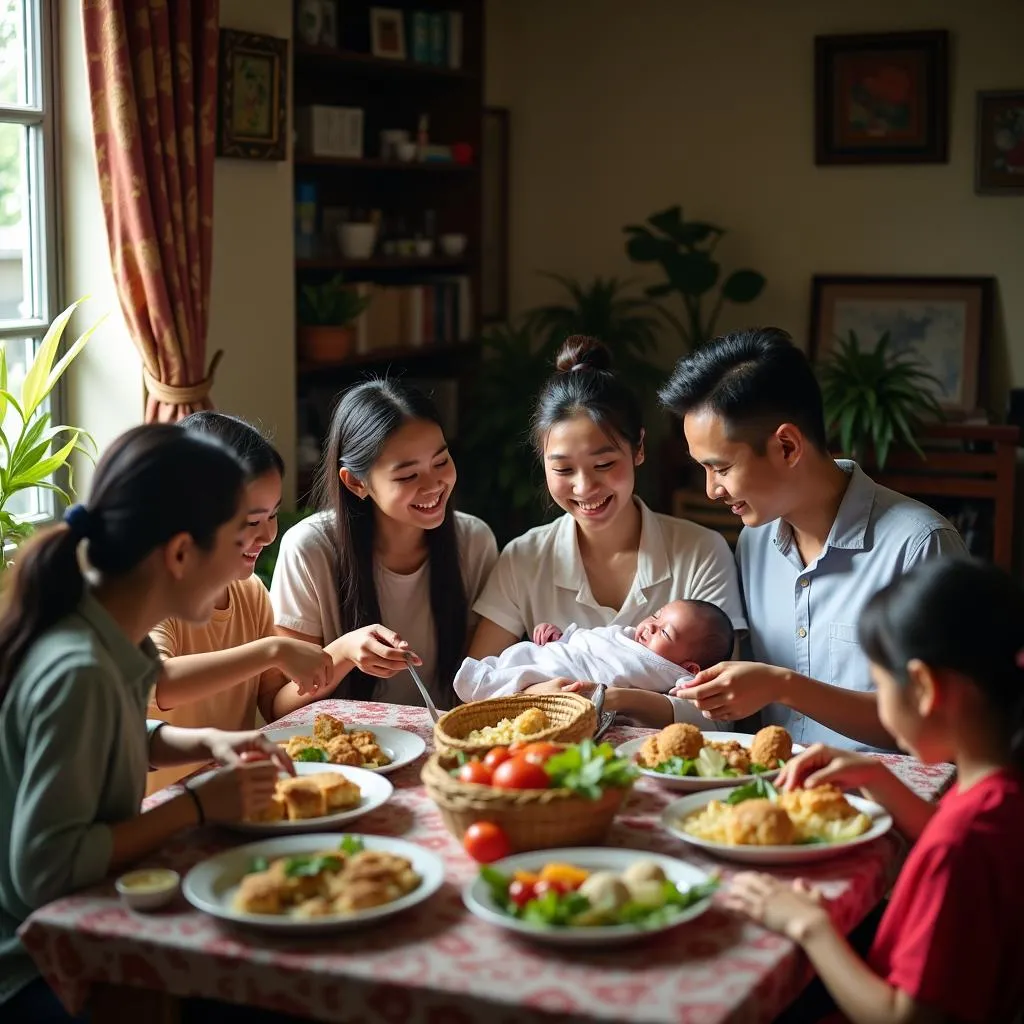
{"x":148,"y":888}
{"x":424,"y":247}
{"x":453,"y":245}
{"x":406,"y":151}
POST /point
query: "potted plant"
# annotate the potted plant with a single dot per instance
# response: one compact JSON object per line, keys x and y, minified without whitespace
{"x":875,"y":398}
{"x":685,"y":250}
{"x":326,"y":314}
{"x":27,"y":438}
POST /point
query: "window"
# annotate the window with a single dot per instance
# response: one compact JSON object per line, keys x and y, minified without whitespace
{"x":28,"y":205}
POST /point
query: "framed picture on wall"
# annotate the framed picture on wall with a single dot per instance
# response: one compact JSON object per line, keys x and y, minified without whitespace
{"x":252,"y":83}
{"x":494,"y":229}
{"x":882,"y":99}
{"x":387,"y":33}
{"x":944,"y":321}
{"x":999,"y":146}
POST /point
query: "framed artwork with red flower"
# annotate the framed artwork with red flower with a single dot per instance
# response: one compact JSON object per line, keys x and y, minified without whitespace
{"x":882,"y":99}
{"x":999,"y":163}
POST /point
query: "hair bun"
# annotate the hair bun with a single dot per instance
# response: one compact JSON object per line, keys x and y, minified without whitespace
{"x":579,"y":352}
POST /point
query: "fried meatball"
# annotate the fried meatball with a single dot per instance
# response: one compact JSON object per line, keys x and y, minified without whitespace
{"x":531,"y":721}
{"x":649,"y":756}
{"x":759,"y":823}
{"x":826,"y":802}
{"x":771,"y":745}
{"x":680,"y":740}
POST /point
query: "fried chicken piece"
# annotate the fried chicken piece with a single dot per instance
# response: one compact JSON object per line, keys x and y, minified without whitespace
{"x":364,"y":893}
{"x":531,"y":721}
{"x":340,"y":750}
{"x":339,"y":793}
{"x":648,"y":755}
{"x":275,"y":811}
{"x":303,"y":798}
{"x":736,"y":756}
{"x":759,"y":823}
{"x":827,"y":802}
{"x":294,"y":745}
{"x":260,"y":893}
{"x":771,"y":745}
{"x":681,"y":739}
{"x":326,"y":727}
{"x":366,"y":743}
{"x":318,"y":906}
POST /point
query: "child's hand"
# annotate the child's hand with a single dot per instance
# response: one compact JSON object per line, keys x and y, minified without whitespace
{"x":233,"y":794}
{"x":233,"y":748}
{"x":376,"y":650}
{"x":794,"y":910}
{"x":819,"y":764}
{"x":309,"y":665}
{"x":545,"y":633}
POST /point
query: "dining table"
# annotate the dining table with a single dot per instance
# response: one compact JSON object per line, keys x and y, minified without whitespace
{"x":436,"y":963}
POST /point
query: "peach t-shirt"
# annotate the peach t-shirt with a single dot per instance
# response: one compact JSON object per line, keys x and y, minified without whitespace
{"x":247,"y":617}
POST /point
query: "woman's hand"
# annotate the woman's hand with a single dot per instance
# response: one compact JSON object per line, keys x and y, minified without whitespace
{"x":377,"y":651}
{"x":308,"y":665}
{"x":238,"y":792}
{"x":235,"y":748}
{"x":545,"y":633}
{"x":819,"y":764}
{"x":795,"y":909}
{"x":733,"y":689}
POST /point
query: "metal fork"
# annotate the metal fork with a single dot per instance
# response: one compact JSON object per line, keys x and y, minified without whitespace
{"x":423,"y":690}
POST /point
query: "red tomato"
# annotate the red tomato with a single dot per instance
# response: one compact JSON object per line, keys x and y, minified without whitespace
{"x":486,"y":842}
{"x":518,"y":773}
{"x":544,"y":886}
{"x":475,"y":771}
{"x":496,"y":756}
{"x":538,"y":753}
{"x":520,"y":893}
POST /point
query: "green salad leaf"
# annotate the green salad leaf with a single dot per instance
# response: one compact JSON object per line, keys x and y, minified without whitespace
{"x":589,"y":769}
{"x":258,"y":864}
{"x":308,"y":867}
{"x":310,"y":754}
{"x":554,"y":908}
{"x":680,"y":766}
{"x":759,"y":789}
{"x":351,"y":845}
{"x":498,"y":885}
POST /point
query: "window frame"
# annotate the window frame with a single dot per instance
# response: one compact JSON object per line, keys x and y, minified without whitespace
{"x":45,"y":239}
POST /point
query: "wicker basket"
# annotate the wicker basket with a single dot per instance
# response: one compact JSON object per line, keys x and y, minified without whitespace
{"x":533,"y":819}
{"x":572,"y":716}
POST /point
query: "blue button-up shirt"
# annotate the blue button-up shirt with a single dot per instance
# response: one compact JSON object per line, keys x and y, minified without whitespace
{"x":805,"y":617}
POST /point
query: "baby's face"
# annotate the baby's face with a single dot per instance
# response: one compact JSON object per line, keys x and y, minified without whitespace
{"x":669,"y":632}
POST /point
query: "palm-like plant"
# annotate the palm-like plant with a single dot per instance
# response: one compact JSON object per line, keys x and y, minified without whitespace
{"x":876,"y":397}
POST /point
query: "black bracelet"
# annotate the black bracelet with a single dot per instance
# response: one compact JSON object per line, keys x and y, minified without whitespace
{"x":195,"y":799}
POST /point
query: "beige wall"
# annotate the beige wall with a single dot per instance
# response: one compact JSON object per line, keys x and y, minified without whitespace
{"x":623,"y":107}
{"x":252,"y":295}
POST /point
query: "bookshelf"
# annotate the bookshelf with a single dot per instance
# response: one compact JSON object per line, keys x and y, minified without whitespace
{"x":423,"y":322}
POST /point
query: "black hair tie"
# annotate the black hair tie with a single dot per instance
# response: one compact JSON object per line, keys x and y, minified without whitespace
{"x":79,"y":520}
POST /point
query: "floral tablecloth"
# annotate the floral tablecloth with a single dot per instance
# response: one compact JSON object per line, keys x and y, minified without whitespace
{"x":436,"y":964}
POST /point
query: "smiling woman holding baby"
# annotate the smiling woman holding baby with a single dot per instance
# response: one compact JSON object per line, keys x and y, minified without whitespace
{"x":610,"y":560}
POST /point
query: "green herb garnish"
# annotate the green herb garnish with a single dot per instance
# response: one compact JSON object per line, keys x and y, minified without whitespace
{"x":310,"y":867}
{"x":351,"y":845}
{"x":680,"y":766}
{"x":759,"y":789}
{"x":759,"y":769}
{"x":589,"y":768}
{"x":311,"y":754}
{"x":258,"y":864}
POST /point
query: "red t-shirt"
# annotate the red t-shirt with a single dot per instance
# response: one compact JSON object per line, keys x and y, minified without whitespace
{"x":951,"y":937}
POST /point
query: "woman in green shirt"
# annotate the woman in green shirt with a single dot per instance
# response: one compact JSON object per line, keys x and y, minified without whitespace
{"x":161,"y":537}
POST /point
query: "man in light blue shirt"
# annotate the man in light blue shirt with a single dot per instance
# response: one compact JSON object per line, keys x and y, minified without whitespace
{"x":820,"y":539}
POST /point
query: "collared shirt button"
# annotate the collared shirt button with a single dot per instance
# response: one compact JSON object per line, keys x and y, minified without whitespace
{"x":801,"y":632}
{"x":804,"y":581}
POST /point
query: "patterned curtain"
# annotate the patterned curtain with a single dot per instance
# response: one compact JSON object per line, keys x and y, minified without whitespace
{"x":153,"y":79}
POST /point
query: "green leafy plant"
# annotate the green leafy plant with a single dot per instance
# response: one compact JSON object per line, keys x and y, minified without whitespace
{"x":685,"y":250}
{"x":268,"y":556}
{"x":29,"y":458}
{"x":590,"y":768}
{"x":875,"y":398}
{"x":331,"y":304}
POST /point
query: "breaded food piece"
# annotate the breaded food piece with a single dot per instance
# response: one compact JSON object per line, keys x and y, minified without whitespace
{"x":362,"y":894}
{"x":759,"y":823}
{"x":531,"y":721}
{"x":274,"y":811}
{"x":318,"y":906}
{"x":826,"y":802}
{"x":326,"y":727}
{"x":648,"y":755}
{"x":736,"y":755}
{"x":260,"y":893}
{"x":341,"y":751}
{"x":339,"y":793}
{"x":681,"y":739}
{"x":303,"y":798}
{"x":366,"y":743}
{"x":294,"y":745}
{"x":771,"y":745}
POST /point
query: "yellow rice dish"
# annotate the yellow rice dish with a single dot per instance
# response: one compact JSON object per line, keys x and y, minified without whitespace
{"x":800,"y":816}
{"x":511,"y":730}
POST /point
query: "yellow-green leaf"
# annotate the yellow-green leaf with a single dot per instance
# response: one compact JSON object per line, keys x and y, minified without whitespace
{"x":33,"y":388}
{"x":41,"y":470}
{"x":68,"y":356}
{"x":3,"y":384}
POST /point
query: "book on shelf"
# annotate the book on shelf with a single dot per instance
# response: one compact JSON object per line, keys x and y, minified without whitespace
{"x":438,"y":312}
{"x":435,"y":38}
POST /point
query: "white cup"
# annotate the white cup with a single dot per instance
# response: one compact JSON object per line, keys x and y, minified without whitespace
{"x":453,"y":245}
{"x":356,"y":241}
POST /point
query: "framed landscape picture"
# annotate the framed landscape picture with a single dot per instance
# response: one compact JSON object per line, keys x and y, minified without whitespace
{"x":882,"y":99}
{"x":251,"y":86}
{"x":999,"y":159}
{"x":944,"y":321}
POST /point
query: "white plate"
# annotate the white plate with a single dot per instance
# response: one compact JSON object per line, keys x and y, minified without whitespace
{"x":402,"y":747}
{"x":375,"y":792}
{"x":478,"y":899}
{"x":881,"y":822}
{"x":694,"y":783}
{"x":210,"y":886}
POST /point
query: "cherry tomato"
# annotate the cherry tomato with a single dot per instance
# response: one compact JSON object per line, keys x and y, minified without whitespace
{"x":518,"y":773}
{"x":496,"y":756}
{"x":538,"y":753}
{"x":486,"y":842}
{"x":520,"y":893}
{"x":475,"y":771}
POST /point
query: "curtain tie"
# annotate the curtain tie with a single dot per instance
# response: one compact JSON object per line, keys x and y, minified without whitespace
{"x":183,"y":394}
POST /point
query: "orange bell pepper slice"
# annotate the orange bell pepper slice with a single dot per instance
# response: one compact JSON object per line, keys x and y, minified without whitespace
{"x":567,"y":874}
{"x":526,"y":877}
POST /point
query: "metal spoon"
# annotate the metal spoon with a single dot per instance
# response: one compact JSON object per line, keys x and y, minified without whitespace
{"x":605,"y":719}
{"x":419,"y":686}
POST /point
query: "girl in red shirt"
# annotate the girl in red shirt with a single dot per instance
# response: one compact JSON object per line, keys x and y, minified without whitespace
{"x":946,"y":644}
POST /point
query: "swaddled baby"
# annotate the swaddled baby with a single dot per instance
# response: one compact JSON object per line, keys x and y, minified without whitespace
{"x":664,"y":650}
